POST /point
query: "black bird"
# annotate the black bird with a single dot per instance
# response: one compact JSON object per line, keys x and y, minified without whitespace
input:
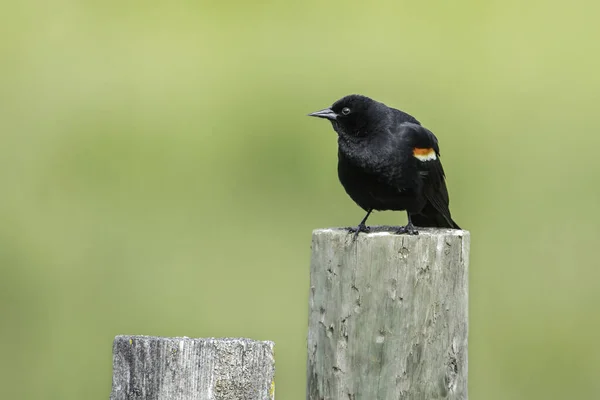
{"x":388,"y":161}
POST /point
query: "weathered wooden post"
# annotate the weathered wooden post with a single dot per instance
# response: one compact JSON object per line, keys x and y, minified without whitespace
{"x":388,"y":316}
{"x":150,"y":368}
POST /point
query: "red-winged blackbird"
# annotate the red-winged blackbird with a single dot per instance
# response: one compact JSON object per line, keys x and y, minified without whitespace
{"x":388,"y":161}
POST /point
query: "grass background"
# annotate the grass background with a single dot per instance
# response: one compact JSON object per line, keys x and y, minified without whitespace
{"x":159,"y":176}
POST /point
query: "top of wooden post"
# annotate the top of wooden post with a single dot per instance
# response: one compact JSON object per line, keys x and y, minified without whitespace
{"x":388,"y":231}
{"x":148,"y":367}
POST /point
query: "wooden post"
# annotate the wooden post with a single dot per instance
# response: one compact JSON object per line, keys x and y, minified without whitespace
{"x":146,"y":367}
{"x":388,"y":316}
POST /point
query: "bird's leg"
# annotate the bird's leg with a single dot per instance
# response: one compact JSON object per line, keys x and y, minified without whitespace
{"x":409,"y":229}
{"x":361,"y":227}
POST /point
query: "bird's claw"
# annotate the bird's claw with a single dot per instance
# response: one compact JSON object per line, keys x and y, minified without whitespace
{"x":358,"y":229}
{"x":407,"y":230}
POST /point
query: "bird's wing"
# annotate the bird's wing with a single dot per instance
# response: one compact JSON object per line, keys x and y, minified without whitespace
{"x":423,"y":147}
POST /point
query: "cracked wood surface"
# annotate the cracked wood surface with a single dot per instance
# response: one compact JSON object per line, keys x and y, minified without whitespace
{"x":388,"y":316}
{"x":146,"y":367}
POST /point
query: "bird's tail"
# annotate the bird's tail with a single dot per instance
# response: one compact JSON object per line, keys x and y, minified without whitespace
{"x":429,"y":217}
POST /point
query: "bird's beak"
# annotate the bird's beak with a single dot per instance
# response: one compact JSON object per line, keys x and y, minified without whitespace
{"x":326,"y":113}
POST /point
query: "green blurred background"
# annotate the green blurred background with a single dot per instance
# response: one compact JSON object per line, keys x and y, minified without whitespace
{"x":159,"y":176}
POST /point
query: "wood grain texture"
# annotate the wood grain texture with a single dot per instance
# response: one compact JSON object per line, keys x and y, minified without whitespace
{"x":146,"y":367}
{"x":388,"y":316}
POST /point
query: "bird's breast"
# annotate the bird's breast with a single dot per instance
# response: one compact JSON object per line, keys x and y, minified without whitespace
{"x":374,"y":185}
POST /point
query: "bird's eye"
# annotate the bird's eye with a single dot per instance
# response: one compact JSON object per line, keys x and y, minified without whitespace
{"x":345,"y":111}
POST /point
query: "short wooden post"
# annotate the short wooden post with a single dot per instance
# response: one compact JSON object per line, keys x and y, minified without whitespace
{"x":146,"y":367}
{"x":388,"y":316}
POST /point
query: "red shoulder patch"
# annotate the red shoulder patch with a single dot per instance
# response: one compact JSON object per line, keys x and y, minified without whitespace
{"x":424,"y":154}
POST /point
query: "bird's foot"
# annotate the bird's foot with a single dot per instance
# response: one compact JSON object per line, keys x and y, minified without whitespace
{"x":358,"y":229}
{"x":409,"y":229}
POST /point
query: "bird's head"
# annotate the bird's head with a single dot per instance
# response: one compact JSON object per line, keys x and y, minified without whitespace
{"x":354,"y":115}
